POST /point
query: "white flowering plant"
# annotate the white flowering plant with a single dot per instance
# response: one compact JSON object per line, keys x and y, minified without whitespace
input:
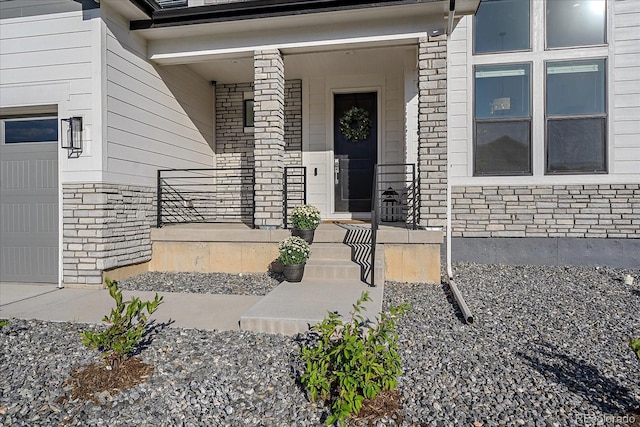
{"x":305,"y":217}
{"x":294,"y":250}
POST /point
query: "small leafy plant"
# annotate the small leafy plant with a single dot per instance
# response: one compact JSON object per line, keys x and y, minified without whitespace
{"x":3,"y":322}
{"x":635,"y":346}
{"x":305,"y":217}
{"x":127,"y":327}
{"x":352,"y":360}
{"x":293,"y":250}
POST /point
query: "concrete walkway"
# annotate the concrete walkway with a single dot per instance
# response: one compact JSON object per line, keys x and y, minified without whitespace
{"x":292,"y":308}
{"x":288,"y":309}
{"x":47,"y":302}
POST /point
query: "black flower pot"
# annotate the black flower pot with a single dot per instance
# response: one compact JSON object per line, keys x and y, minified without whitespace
{"x":293,"y":273}
{"x":307,"y":235}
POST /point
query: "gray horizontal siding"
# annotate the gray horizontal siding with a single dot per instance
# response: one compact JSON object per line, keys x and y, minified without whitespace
{"x":21,"y":8}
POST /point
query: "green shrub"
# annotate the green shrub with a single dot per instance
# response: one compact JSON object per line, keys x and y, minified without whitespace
{"x":352,"y":360}
{"x":3,"y":322}
{"x":127,"y":327}
{"x":635,"y":346}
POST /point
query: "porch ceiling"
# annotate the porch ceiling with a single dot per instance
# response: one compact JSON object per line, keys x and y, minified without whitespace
{"x":345,"y":61}
{"x":293,"y":34}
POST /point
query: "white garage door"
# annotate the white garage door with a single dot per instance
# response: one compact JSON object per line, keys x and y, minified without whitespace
{"x":29,"y":199}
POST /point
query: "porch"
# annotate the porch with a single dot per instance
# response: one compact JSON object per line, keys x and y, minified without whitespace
{"x":338,"y":271}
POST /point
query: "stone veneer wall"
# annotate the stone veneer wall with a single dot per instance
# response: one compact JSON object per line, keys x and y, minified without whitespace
{"x":104,"y":226}
{"x":268,"y":137}
{"x":599,"y":211}
{"x":432,"y":130}
{"x":234,"y":146}
{"x":293,"y":122}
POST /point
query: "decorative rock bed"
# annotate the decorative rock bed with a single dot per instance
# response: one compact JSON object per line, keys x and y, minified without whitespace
{"x":549,"y":348}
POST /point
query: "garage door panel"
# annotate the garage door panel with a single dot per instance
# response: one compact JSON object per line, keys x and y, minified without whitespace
{"x":29,"y":212}
{"x":37,"y":263}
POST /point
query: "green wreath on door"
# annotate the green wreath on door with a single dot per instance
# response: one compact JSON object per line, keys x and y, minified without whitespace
{"x":355,"y":124}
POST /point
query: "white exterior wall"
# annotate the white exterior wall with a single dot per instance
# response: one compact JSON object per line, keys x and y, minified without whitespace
{"x":623,"y":88}
{"x":156,"y":116}
{"x":53,"y":59}
{"x":626,"y":88}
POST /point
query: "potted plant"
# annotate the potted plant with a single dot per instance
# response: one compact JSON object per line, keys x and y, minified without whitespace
{"x":304,"y":220}
{"x":294,"y":253}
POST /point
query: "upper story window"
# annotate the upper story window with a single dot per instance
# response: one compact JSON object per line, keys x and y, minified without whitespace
{"x":29,"y":129}
{"x":575,"y":23}
{"x":502,"y":26}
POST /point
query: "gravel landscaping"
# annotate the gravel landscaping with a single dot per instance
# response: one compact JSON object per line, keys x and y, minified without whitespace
{"x":203,"y":283}
{"x":548,"y":348}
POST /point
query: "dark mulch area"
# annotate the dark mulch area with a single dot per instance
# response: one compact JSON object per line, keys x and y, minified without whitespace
{"x":387,"y":404}
{"x":91,"y":381}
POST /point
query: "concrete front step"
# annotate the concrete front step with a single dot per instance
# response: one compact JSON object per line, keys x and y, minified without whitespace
{"x":326,"y":251}
{"x":293,"y":308}
{"x":336,"y":261}
{"x":338,"y":270}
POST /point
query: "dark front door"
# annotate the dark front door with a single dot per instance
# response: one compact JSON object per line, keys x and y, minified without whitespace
{"x":356,"y":151}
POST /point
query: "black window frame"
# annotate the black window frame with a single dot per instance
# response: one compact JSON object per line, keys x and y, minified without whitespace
{"x":603,"y":116}
{"x":247,"y":121}
{"x":528,"y":120}
{"x":26,"y":117}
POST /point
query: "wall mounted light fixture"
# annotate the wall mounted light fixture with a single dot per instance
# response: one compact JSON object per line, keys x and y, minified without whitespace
{"x":72,"y":136}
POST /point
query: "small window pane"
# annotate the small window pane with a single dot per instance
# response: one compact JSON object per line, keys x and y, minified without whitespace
{"x":576,"y":145}
{"x":502,"y":25}
{"x":575,"y":87}
{"x":575,"y":22}
{"x":30,"y":130}
{"x":248,"y":113}
{"x":502,"y":91}
{"x":503,"y":148}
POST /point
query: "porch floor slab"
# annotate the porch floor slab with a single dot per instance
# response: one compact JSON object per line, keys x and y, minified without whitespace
{"x":327,"y":232}
{"x":292,"y":308}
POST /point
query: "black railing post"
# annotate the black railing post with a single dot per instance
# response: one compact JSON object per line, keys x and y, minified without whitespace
{"x":253,"y":197}
{"x":414,"y":184}
{"x":159,"y":201}
{"x":374,"y":224}
{"x":304,"y":185}
{"x":285,"y":197}
{"x":298,"y":188}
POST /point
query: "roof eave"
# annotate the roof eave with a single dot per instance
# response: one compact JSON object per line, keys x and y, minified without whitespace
{"x":253,"y":9}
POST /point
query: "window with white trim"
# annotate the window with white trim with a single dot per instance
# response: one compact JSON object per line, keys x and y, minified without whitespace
{"x":18,"y":130}
{"x":502,"y":26}
{"x":540,"y":104}
{"x":576,"y":117}
{"x":502,"y":120}
{"x":575,"y":23}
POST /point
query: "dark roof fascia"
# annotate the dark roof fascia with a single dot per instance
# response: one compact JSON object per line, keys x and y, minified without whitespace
{"x":253,"y":9}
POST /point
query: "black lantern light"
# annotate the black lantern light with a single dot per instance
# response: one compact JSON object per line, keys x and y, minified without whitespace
{"x":72,"y":136}
{"x":390,"y":205}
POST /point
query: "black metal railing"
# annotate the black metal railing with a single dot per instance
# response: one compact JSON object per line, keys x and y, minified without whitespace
{"x":294,"y":191}
{"x":394,"y":199}
{"x":205,"y":195}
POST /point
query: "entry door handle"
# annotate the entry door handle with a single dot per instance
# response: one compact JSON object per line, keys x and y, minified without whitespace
{"x":336,"y":170}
